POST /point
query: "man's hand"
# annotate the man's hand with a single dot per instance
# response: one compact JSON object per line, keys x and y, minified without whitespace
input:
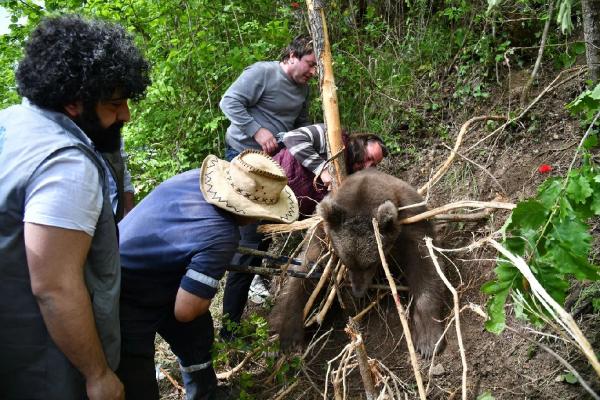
{"x":267,"y":141}
{"x":326,"y":178}
{"x":105,"y":387}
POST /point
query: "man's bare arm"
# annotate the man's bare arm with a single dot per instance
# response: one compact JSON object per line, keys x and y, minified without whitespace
{"x":56,"y":259}
{"x":188,"y":306}
{"x":128,"y":202}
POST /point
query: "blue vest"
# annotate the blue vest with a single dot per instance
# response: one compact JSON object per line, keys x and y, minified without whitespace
{"x":31,"y":366}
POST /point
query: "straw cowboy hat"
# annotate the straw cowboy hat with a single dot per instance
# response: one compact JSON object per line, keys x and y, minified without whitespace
{"x":252,"y":185}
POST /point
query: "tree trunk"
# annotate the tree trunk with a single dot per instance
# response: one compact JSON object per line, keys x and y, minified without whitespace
{"x":591,"y":33}
{"x":318,"y":27}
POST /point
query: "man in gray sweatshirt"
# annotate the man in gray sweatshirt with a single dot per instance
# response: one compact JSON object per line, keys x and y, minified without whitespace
{"x":269,"y":97}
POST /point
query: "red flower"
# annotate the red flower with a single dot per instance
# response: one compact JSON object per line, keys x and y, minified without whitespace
{"x":295,"y":5}
{"x":544,"y":169}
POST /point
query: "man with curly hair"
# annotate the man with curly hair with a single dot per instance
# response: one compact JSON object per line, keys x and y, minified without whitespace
{"x":60,"y":270}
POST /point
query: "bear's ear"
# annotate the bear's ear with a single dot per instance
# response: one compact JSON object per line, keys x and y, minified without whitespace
{"x":332,"y":213}
{"x":386,"y":215}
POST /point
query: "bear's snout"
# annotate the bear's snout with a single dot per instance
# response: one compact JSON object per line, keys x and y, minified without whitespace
{"x":359,"y":292}
{"x":360,"y":281}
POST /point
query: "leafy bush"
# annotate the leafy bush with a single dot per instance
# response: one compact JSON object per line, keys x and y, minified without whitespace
{"x":390,"y":60}
{"x":551,"y":233}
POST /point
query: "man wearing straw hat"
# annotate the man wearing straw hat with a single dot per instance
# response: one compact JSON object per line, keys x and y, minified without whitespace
{"x":175,"y":246}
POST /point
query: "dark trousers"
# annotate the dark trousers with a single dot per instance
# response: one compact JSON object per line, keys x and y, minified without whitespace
{"x":190,"y":342}
{"x":235,"y":295}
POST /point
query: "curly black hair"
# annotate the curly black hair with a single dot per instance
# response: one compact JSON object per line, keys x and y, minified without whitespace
{"x":69,"y":59}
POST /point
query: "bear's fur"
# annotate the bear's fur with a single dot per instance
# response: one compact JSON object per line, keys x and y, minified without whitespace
{"x":347,"y":221}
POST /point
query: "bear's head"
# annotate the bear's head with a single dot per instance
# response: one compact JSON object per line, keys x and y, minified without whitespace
{"x":353,"y":239}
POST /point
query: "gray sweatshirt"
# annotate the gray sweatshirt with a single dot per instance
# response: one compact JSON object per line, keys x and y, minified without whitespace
{"x":263,"y":96}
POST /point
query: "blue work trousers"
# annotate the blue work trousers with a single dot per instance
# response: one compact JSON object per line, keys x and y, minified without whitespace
{"x":190,"y":342}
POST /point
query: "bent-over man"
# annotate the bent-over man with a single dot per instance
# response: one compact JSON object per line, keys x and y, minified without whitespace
{"x":304,"y":161}
{"x":175,"y":246}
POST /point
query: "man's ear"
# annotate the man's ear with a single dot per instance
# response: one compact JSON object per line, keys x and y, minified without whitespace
{"x":74,"y":110}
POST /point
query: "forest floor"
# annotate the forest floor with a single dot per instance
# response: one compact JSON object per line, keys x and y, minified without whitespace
{"x":507,"y":366}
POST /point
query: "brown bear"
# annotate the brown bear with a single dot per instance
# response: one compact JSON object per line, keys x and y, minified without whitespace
{"x":347,"y":220}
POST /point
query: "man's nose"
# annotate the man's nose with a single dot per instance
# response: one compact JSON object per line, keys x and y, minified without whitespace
{"x":123,"y":113}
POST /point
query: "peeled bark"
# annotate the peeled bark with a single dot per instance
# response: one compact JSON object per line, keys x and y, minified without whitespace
{"x":318,"y":27}
{"x":591,"y":32}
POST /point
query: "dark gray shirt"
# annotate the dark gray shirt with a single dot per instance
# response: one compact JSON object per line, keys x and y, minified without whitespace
{"x":263,"y":96}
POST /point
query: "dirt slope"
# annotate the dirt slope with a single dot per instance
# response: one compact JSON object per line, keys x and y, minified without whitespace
{"x":508,"y":366}
{"x":507,"y":164}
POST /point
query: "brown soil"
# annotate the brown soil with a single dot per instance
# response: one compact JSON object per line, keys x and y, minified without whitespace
{"x":507,"y":366}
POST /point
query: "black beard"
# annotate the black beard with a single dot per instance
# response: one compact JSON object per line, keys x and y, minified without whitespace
{"x":106,"y":140}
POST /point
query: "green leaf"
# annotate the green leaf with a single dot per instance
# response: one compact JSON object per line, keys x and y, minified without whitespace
{"x":554,"y":283}
{"x":595,"y":205}
{"x":496,"y":315}
{"x":485,"y":396}
{"x":529,"y":214}
{"x":564,"y":16}
{"x":573,"y":234}
{"x":596,"y":304}
{"x":595,"y":93}
{"x":549,"y":191}
{"x":579,"y":189}
{"x":494,"y":287}
{"x":506,"y":271}
{"x":591,"y":141}
{"x":578,"y":48}
{"x":570,"y":378}
{"x":515,"y":244}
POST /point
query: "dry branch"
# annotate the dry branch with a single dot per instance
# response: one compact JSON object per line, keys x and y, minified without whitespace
{"x":455,"y":300}
{"x":479,"y":311}
{"x":363,"y":360}
{"x":458,"y":204}
{"x":464,"y":217}
{"x":173,"y":381}
{"x":331,"y":114}
{"x":401,"y":313}
{"x":364,"y":312}
{"x":320,"y":285}
{"x":228,"y":374}
{"x":560,"y":315}
{"x":538,"y":61}
{"x":283,"y":394}
{"x":321,"y":314}
{"x":548,"y":89}
{"x":313,"y":221}
{"x":308,"y":223}
{"x":440,"y":172}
